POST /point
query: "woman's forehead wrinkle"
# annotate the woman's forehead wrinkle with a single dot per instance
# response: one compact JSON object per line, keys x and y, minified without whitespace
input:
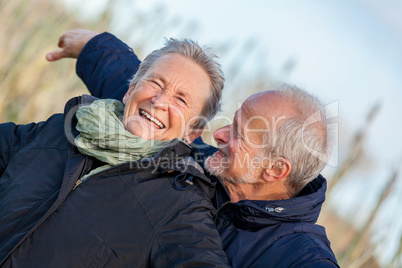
{"x":179,"y":91}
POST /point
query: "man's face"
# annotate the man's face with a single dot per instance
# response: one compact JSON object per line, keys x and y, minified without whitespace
{"x":241,"y":157}
{"x":163,"y":104}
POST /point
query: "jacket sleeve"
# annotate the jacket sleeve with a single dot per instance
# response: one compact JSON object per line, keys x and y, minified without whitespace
{"x":12,"y":138}
{"x":106,"y":65}
{"x":189,"y":238}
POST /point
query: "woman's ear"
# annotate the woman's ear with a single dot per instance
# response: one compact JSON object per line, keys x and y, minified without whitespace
{"x":279,"y":170}
{"x":128,"y":94}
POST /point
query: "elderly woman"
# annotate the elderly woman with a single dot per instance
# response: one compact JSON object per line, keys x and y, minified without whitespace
{"x":108,"y":184}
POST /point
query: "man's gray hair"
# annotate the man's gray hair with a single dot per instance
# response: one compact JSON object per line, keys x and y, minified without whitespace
{"x":204,"y":59}
{"x":304,"y":139}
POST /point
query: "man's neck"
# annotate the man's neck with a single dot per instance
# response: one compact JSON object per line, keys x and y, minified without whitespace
{"x":257,"y":191}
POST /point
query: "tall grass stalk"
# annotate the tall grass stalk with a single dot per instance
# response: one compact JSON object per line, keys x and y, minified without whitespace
{"x":30,"y":87}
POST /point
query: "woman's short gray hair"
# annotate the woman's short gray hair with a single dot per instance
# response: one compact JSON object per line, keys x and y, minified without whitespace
{"x":304,"y":139}
{"x":199,"y":55}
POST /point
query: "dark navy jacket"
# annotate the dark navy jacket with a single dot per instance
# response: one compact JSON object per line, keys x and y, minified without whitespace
{"x":255,"y":233}
{"x":279,"y":233}
{"x":137,"y":214}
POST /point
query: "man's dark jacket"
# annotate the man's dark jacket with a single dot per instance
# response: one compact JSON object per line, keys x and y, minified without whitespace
{"x":255,"y":233}
{"x":278,"y":233}
{"x":139,"y":214}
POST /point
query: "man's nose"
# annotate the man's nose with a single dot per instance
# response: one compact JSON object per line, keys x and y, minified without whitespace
{"x":222,"y":135}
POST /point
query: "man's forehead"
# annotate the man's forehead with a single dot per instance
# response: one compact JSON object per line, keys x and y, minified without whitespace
{"x":255,"y":106}
{"x":248,"y":117}
{"x":262,"y":110}
{"x":251,"y":123}
{"x":271,"y":104}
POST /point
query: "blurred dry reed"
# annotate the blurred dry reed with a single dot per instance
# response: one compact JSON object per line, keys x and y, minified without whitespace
{"x":354,"y":248}
{"x":31,"y":88}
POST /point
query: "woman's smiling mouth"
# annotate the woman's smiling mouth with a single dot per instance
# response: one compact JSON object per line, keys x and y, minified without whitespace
{"x":152,"y":119}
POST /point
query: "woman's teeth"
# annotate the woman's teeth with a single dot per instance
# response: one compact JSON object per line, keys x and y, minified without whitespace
{"x":150,"y":118}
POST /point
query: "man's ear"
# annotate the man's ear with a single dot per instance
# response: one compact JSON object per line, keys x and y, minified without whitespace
{"x":128,"y":94}
{"x":277,"y":171}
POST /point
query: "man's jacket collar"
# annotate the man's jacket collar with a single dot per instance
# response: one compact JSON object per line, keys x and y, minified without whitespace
{"x":256,"y":214}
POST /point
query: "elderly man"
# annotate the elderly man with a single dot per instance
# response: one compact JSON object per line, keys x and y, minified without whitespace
{"x":108,"y":185}
{"x":268,"y":161}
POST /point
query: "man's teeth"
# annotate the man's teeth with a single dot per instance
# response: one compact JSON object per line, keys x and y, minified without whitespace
{"x":224,"y":155}
{"x":156,"y":121}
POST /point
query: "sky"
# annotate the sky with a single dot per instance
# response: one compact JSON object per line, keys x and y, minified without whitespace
{"x":348,"y":53}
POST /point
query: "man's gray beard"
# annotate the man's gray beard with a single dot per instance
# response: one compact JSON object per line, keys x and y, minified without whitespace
{"x":218,"y":172}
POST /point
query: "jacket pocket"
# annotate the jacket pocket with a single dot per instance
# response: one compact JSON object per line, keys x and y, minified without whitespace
{"x":102,"y":255}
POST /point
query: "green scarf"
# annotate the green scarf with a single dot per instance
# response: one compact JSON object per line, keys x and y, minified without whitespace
{"x":103,"y":136}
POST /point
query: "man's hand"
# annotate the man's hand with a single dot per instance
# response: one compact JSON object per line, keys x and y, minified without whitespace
{"x":71,"y":44}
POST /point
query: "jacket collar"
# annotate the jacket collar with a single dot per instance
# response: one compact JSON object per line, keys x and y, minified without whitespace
{"x":256,"y":214}
{"x":178,"y":156}
{"x":70,"y":121}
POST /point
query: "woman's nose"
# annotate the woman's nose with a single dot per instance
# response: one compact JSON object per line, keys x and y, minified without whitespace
{"x":161,"y":100}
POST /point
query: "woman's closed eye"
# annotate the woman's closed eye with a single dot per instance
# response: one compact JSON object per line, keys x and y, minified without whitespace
{"x":156,"y":83}
{"x":181,"y":99}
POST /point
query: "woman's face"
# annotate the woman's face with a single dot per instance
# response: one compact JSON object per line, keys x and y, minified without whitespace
{"x":167,"y":99}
